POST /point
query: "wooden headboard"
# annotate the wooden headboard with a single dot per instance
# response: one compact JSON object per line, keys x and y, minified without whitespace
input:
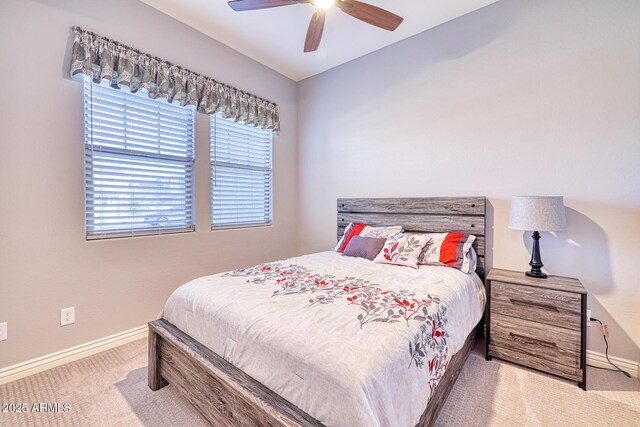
{"x":421,"y":214}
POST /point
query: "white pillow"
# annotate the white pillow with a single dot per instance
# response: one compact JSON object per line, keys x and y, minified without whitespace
{"x":402,"y":249}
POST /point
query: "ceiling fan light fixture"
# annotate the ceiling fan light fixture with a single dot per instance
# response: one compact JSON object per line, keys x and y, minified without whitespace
{"x":365,"y":12}
{"x":324,"y":4}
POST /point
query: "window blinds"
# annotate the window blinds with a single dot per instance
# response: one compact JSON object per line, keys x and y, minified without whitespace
{"x":241,"y":174}
{"x":139,"y":161}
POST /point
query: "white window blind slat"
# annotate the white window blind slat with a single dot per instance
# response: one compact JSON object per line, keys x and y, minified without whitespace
{"x":241,"y":174}
{"x":139,"y":164}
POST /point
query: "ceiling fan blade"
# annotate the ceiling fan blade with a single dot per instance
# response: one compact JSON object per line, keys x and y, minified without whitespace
{"x":370,"y":14}
{"x":314,"y":33}
{"x":241,"y":5}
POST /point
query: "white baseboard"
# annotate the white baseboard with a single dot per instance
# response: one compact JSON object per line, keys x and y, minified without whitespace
{"x":600,"y":360}
{"x":39,"y":364}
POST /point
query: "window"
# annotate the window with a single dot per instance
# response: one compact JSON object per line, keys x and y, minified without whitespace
{"x":139,"y":161}
{"x":240,"y":174}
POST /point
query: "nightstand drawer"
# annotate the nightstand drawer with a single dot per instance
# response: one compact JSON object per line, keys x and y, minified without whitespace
{"x":542,"y":341}
{"x":551,"y":307}
{"x":570,"y":372}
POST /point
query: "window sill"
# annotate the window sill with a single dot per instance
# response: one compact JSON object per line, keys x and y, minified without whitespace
{"x":128,"y":235}
{"x":240,"y":227}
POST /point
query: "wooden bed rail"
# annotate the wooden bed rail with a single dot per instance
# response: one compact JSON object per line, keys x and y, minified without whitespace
{"x":227,"y":397}
{"x":222,"y":393}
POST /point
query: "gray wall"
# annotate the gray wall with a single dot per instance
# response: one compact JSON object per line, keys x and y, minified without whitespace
{"x":521,"y":97}
{"x":45,"y":262}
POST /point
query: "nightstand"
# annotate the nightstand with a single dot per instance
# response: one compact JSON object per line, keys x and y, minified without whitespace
{"x":539,"y":323}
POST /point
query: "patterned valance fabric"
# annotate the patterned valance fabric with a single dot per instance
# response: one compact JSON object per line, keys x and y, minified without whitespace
{"x":105,"y":59}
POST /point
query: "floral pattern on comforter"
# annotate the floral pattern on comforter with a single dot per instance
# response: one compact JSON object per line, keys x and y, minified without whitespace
{"x":429,"y":347}
{"x":351,"y":342}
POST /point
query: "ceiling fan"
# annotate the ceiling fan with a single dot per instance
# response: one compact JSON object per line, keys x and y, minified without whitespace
{"x":363,"y":11}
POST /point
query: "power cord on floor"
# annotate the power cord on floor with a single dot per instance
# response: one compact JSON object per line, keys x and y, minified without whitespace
{"x":606,"y":350}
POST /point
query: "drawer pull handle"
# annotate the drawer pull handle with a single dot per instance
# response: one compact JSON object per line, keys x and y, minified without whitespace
{"x":528,"y":340}
{"x":535,"y":304}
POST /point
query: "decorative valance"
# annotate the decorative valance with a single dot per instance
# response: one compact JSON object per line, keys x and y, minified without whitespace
{"x":105,"y":59}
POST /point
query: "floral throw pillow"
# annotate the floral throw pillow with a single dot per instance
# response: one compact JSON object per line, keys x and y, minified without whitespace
{"x":402,"y":249}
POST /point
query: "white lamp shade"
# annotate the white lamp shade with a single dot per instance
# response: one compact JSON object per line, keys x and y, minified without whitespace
{"x":537,"y":213}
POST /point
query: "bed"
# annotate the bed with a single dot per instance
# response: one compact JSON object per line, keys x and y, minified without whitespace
{"x":324,"y":339}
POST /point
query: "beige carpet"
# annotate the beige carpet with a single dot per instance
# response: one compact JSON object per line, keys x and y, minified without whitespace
{"x":110,"y":389}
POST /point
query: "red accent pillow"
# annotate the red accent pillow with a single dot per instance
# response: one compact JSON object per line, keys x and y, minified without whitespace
{"x":450,"y":249}
{"x":349,"y":233}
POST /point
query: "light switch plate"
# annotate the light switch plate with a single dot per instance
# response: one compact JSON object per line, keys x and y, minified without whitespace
{"x":67,"y":316}
{"x":3,"y":331}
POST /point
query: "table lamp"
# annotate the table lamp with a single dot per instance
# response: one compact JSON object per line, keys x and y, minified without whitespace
{"x":537,"y":213}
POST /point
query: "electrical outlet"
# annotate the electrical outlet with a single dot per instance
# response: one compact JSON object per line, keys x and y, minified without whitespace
{"x":3,"y":331}
{"x":588,"y":317}
{"x":67,"y":316}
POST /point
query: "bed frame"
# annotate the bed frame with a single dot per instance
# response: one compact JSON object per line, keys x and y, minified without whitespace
{"x":226,"y":396}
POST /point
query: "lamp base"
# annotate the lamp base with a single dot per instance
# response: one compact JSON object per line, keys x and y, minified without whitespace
{"x":536,"y":261}
{"x":536,"y":274}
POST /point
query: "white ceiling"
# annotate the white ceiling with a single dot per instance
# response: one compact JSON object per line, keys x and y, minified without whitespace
{"x":275,"y":37}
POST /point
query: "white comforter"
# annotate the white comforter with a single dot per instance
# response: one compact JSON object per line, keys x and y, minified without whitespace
{"x":350,"y":342}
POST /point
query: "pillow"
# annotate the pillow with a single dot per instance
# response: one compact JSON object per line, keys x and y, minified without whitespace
{"x":452,"y":250}
{"x":403,"y":249}
{"x":364,"y":247}
{"x":364,"y":230}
